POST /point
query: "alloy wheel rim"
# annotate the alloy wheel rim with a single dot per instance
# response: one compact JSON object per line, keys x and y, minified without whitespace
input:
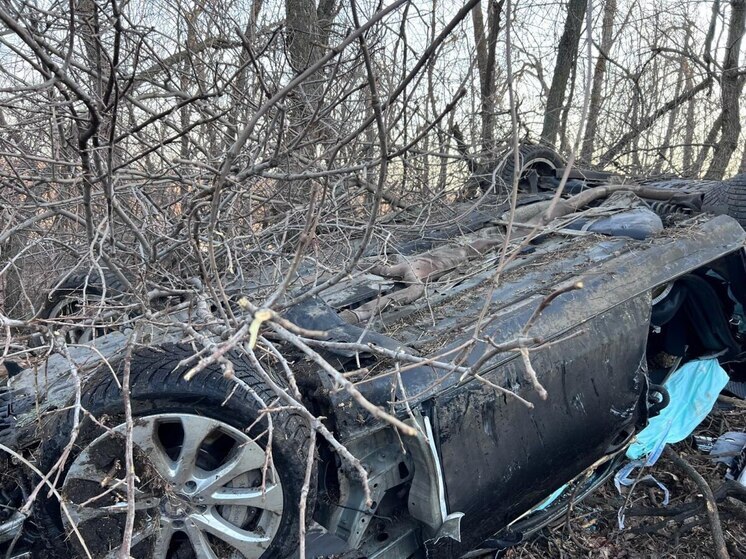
{"x":201,"y":485}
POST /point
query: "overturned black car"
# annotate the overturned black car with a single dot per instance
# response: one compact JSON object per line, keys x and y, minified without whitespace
{"x":511,"y":387}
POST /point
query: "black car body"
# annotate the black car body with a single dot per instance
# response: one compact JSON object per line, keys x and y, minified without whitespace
{"x":483,"y":460}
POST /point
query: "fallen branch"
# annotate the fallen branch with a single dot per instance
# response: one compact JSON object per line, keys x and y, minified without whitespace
{"x":721,"y":551}
{"x":728,"y":490}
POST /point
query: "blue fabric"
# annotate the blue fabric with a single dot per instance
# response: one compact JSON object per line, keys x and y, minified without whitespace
{"x":693,"y":388}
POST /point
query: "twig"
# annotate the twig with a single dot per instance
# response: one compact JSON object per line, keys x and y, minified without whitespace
{"x":314,"y":421}
{"x":304,"y":491}
{"x":340,"y":380}
{"x":130,"y":477}
{"x":547,"y":300}
{"x":531,"y":375}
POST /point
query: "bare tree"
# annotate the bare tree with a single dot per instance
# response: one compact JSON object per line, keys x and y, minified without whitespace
{"x":486,"y":44}
{"x":567,"y":53}
{"x":731,"y":86}
{"x":221,"y":163}
{"x":607,"y":35}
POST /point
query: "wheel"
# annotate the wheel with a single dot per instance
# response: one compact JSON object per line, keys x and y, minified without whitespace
{"x":202,"y":491}
{"x":728,"y":197}
{"x":541,"y":159}
{"x":77,"y":298}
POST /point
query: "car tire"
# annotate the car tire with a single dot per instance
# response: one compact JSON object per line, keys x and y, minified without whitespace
{"x":67,"y":299}
{"x":201,"y":433}
{"x":541,"y":158}
{"x":729,"y":197}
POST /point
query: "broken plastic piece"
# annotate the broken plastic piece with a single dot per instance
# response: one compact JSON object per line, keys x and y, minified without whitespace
{"x":451,"y":527}
{"x":738,"y":469}
{"x":730,"y":449}
{"x":727,"y":446}
{"x":553,"y":497}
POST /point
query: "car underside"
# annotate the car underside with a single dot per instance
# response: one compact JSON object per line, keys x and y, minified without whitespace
{"x":514,"y":385}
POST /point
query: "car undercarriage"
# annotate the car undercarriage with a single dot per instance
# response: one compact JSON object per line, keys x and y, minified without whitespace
{"x":512,"y":384}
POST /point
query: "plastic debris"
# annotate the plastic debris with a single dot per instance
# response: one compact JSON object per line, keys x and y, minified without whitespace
{"x":553,"y":497}
{"x":704,"y":444}
{"x":728,"y":446}
{"x":729,"y":449}
{"x":738,"y":469}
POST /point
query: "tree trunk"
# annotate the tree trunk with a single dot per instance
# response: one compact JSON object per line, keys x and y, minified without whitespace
{"x":486,"y":43}
{"x":13,"y":300}
{"x":742,"y":165}
{"x":594,"y":108}
{"x":186,"y":81}
{"x":566,"y":55}
{"x":690,"y":124}
{"x":564,"y":142}
{"x":302,"y":33}
{"x":307,"y":31}
{"x":731,"y":84}
{"x":710,"y":140}
{"x":714,"y":15}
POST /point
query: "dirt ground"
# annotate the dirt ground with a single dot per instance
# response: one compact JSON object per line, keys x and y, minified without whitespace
{"x":591,"y":529}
